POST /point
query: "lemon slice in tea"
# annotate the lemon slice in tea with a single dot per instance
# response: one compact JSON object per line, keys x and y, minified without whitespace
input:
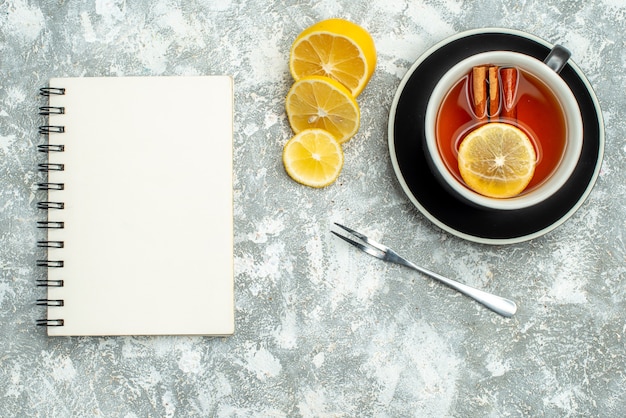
{"x":497,"y":160}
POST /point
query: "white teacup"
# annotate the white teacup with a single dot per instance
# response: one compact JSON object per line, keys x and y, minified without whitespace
{"x":546,"y":72}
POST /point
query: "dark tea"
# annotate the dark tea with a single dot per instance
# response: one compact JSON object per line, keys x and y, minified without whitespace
{"x":538,"y":114}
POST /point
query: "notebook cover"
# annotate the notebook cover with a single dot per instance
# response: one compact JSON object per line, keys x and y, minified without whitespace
{"x":148,"y":216}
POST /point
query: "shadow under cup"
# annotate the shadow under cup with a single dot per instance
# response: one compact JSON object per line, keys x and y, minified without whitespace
{"x":547,"y":112}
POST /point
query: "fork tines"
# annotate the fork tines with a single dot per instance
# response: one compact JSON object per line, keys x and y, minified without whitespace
{"x":370,"y":247}
{"x":352,"y":231}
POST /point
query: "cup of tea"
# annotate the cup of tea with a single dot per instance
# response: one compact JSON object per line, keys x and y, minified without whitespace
{"x":511,"y":89}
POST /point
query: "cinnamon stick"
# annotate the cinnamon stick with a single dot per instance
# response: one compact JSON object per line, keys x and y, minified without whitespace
{"x":479,"y":91}
{"x":494,"y":92}
{"x":509,"y":91}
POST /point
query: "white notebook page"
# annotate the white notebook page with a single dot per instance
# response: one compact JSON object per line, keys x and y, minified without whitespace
{"x":148,"y":206}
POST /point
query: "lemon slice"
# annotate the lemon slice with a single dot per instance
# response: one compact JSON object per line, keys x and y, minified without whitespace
{"x":334,"y":48}
{"x":497,"y":160}
{"x":321,"y":102}
{"x":313,"y":157}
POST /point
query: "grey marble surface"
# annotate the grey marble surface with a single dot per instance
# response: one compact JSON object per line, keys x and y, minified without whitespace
{"x":322,"y":329}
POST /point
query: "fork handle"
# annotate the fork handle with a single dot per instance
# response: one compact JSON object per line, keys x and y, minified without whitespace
{"x":500,"y":305}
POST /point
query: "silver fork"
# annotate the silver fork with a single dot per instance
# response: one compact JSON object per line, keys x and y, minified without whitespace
{"x":504,"y":307}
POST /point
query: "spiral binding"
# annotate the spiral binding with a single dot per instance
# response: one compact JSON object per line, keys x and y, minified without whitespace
{"x":49,"y":283}
{"x":51,"y":110}
{"x":50,"y":322}
{"x":50,"y":224}
{"x":50,"y":148}
{"x":50,"y":302}
{"x":51,"y":167}
{"x":46,"y":167}
{"x":50,"y":205}
{"x":50,"y":186}
{"x":49,"y":91}
{"x":51,"y":129}
{"x":50,"y":244}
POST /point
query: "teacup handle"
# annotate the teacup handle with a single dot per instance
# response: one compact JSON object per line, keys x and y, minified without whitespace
{"x":557,"y":58}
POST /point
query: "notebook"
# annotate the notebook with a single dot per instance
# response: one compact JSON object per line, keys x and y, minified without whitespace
{"x":139,"y":206}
